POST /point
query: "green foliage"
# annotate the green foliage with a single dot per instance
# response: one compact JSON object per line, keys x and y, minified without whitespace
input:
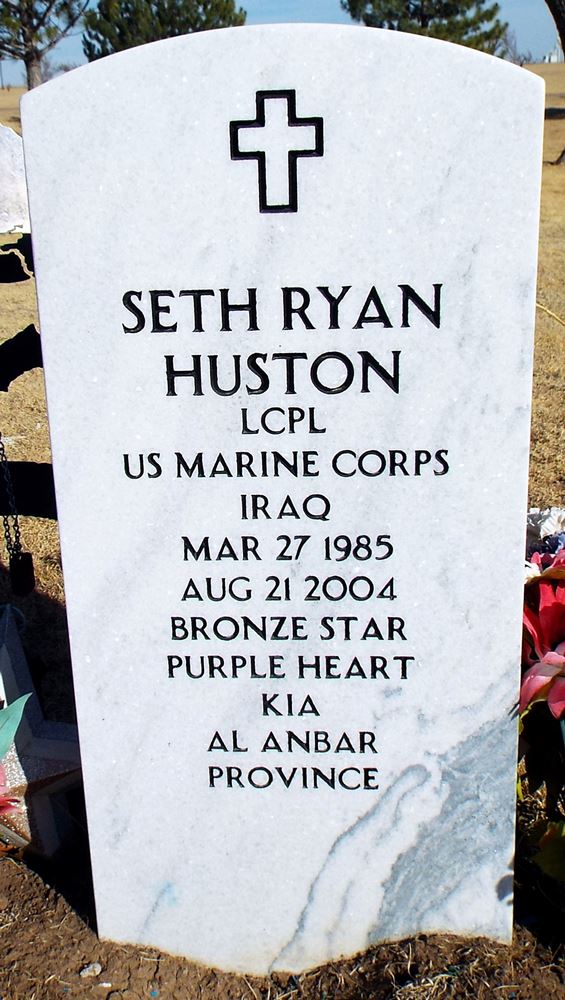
{"x":551,"y":855}
{"x":10,"y":718}
{"x":469,"y":22}
{"x":120,"y":24}
{"x":31,"y":28}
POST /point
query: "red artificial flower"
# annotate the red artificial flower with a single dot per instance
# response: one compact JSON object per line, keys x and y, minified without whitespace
{"x":544,"y":635}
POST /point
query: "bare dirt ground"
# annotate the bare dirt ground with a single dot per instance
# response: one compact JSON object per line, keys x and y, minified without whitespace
{"x":46,"y":910}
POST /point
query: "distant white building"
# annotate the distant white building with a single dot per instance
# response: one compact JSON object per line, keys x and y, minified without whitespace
{"x":556,"y":54}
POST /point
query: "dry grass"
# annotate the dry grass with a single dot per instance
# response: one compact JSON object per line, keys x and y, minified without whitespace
{"x":10,"y":107}
{"x":547,"y":467}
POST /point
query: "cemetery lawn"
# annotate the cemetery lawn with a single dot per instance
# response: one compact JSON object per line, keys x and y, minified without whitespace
{"x":46,"y":932}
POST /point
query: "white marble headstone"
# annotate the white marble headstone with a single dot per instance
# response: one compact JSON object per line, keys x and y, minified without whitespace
{"x":14,"y":212}
{"x":286,"y":284}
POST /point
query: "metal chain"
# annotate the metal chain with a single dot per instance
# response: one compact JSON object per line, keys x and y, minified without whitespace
{"x":13,"y":544}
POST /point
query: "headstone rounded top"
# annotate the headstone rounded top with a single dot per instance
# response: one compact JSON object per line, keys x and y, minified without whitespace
{"x":270,"y":41}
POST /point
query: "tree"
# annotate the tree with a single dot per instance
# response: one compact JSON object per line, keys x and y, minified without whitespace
{"x":468,"y":22}
{"x":557,"y":8}
{"x":513,"y":52}
{"x":50,"y":69}
{"x":29,"y":29}
{"x":119,"y":24}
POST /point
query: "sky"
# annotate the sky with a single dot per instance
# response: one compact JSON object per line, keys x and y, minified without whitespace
{"x":530,"y":20}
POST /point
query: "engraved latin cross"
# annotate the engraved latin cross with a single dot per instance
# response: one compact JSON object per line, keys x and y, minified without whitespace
{"x":276,"y":139}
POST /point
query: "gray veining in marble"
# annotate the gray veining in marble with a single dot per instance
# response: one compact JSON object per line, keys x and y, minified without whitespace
{"x":451,"y":853}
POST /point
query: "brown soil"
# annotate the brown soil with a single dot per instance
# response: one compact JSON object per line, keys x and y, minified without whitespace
{"x":46,"y":933}
{"x":47,"y":945}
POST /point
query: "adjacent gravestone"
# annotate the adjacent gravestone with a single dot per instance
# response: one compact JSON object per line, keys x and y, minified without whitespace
{"x":14,"y":213}
{"x":42,"y":763}
{"x":286,"y":282}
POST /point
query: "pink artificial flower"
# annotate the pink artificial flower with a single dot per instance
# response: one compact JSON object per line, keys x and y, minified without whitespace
{"x":7,"y":802}
{"x":549,"y":561}
{"x":544,"y":636}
